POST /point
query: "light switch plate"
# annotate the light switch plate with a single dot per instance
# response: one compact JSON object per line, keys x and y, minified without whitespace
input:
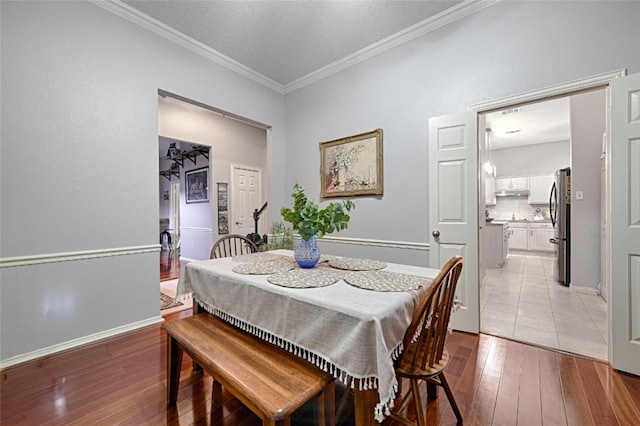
{"x":579,"y":195}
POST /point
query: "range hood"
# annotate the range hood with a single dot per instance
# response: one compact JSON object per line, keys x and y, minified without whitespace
{"x":512,"y":193}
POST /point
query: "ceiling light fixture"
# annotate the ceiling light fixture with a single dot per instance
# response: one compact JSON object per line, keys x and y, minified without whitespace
{"x":488,"y":166}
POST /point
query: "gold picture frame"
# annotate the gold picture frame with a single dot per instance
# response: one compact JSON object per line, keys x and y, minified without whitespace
{"x":352,"y":166}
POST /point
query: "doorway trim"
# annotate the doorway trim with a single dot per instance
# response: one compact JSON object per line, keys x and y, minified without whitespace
{"x":561,"y":90}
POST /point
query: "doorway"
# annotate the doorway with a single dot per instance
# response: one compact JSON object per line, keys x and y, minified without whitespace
{"x":520,"y":296}
{"x":227,"y":139}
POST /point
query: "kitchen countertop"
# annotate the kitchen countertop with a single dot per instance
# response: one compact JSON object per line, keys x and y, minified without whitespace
{"x":500,"y":222}
{"x":526,"y":220}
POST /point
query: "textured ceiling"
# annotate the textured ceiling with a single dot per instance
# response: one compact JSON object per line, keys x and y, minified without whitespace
{"x":539,"y":122}
{"x":288,"y":40}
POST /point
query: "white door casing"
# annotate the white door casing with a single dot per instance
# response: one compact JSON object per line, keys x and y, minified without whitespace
{"x":625,"y":224}
{"x":453,"y":207}
{"x":246,"y":196}
{"x":174,"y":201}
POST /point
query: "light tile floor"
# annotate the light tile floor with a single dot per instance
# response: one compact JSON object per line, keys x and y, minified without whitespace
{"x":522,"y":301}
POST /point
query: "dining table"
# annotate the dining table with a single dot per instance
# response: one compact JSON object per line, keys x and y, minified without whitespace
{"x":347,"y":315}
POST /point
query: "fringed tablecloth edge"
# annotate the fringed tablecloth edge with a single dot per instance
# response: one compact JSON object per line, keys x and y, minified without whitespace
{"x":382,"y":408}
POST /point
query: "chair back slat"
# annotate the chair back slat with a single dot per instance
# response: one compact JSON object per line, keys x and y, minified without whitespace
{"x":425,"y":337}
{"x":232,"y":245}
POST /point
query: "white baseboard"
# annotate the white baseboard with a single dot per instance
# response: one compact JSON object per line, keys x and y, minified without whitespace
{"x":583,"y":289}
{"x":71,"y":344}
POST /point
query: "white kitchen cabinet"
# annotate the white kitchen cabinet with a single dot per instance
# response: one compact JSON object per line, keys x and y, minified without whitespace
{"x":490,"y":191}
{"x":506,"y":237}
{"x":496,"y":244}
{"x":539,"y":189}
{"x":539,"y":235}
{"x":520,"y":182}
{"x":510,"y":183}
{"x":519,"y":236}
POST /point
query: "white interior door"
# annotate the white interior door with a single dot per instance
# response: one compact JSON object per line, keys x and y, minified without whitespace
{"x":453,"y":207}
{"x":625,"y":224}
{"x":245,"y":198}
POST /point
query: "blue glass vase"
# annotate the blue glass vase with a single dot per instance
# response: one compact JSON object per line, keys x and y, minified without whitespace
{"x":307,"y":253}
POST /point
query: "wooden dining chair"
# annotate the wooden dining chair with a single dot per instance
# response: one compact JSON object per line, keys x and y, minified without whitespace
{"x":232,"y":245}
{"x":424,"y":356}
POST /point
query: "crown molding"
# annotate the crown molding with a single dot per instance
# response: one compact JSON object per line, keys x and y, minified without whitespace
{"x":130,"y":14}
{"x":450,"y":15}
{"x":421,"y":28}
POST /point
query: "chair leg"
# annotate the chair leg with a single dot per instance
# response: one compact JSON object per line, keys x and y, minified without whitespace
{"x":415,"y":386}
{"x":450,"y":397}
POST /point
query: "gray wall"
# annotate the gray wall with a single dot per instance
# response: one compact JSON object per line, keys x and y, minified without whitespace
{"x":79,"y":168}
{"x":503,"y":50}
{"x":79,"y":163}
{"x":588,"y":124}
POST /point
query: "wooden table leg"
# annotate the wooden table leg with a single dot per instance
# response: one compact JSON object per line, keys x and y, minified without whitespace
{"x":432,"y":391}
{"x":364,"y":403}
{"x":174,"y":365}
{"x":196,"y":308}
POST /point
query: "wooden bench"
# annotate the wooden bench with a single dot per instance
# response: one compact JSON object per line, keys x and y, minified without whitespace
{"x":270,"y":381}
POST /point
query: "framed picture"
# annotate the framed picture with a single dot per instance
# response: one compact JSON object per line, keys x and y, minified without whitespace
{"x":197,"y":185}
{"x":352,"y":166}
{"x":222,"y":196}
{"x":223,"y":214}
{"x":223,"y":222}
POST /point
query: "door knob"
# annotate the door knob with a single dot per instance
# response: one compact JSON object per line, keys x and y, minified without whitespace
{"x":436,"y":233}
{"x":238,"y":223}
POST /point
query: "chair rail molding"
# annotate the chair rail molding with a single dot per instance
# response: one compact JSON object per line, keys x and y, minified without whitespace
{"x":37,"y":259}
{"x":407,"y":245}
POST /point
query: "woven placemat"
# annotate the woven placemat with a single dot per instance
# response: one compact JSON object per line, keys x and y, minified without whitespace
{"x":356,"y":264}
{"x":383,"y":281}
{"x":304,"y":278}
{"x":263,"y":268}
{"x":258,"y":257}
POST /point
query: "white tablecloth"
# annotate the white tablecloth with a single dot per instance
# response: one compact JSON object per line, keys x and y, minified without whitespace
{"x":348,"y":331}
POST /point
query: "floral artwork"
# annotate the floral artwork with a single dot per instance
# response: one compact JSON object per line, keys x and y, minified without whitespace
{"x":352,"y":165}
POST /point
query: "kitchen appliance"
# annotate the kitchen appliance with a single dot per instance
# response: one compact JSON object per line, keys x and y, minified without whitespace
{"x":560,"y":213}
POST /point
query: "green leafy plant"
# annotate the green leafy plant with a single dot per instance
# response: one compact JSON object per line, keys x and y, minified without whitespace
{"x":281,"y":237}
{"x":307,"y":218}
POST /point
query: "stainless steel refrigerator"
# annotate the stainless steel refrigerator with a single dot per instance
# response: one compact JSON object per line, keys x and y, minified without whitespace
{"x":560,"y":212}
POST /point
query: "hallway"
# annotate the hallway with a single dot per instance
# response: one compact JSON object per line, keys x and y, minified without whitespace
{"x":522,"y":301}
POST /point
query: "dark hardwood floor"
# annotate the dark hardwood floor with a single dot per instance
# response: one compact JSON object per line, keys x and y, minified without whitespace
{"x":122,"y":380}
{"x":170,"y":266}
